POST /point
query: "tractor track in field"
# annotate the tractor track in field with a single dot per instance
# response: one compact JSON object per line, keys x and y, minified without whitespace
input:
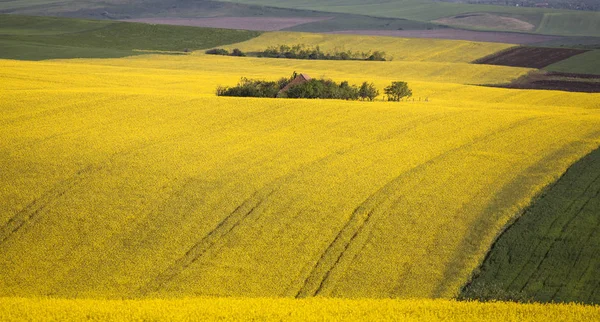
{"x":31,"y":211}
{"x":221,"y":230}
{"x":359,"y":224}
{"x":235,"y":219}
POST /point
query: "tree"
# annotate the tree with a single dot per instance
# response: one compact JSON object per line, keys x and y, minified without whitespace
{"x":368,"y":91}
{"x":397,"y":91}
{"x":237,"y":52}
{"x":377,"y":56}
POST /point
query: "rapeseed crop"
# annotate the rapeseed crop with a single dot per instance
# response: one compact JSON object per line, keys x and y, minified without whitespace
{"x":400,"y":49}
{"x":262,"y":309}
{"x":129,"y":178}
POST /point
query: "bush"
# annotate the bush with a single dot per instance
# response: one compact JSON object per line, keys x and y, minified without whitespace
{"x":217,"y":51}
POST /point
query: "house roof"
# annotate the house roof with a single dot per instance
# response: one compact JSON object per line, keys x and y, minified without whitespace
{"x":300,"y":79}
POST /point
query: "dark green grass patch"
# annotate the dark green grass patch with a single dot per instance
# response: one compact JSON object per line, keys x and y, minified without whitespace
{"x":38,"y":38}
{"x":552,"y":252}
{"x":586,"y":63}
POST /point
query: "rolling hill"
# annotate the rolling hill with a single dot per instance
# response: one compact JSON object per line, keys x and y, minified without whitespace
{"x":161,"y":189}
{"x":329,"y":15}
{"x":549,"y":253}
{"x":38,"y":38}
{"x":545,"y":21}
{"x":130,"y":191}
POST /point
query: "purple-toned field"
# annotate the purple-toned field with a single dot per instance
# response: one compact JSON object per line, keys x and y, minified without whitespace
{"x":247,"y":23}
{"x":502,"y":37}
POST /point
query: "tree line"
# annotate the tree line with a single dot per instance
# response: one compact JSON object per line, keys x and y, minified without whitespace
{"x":225,"y":52}
{"x":314,"y":88}
{"x":301,"y":51}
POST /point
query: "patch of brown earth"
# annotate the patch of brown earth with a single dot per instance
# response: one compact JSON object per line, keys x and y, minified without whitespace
{"x":456,"y":34}
{"x":531,"y":57}
{"x":486,"y":20}
{"x":247,"y":23}
{"x":557,"y":81}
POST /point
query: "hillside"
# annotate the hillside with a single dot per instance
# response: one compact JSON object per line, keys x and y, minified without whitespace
{"x":38,"y":38}
{"x":207,"y":13}
{"x":326,"y":16}
{"x":128,"y":178}
{"x":398,"y":49}
{"x":543,"y":21}
{"x":549,"y":253}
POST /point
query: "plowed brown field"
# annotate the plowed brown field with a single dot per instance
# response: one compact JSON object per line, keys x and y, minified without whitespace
{"x":531,"y":57}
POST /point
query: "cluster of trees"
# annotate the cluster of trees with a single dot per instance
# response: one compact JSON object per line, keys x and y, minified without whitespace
{"x":254,"y":88}
{"x":225,"y":52}
{"x":305,"y":52}
{"x":328,"y":89}
{"x":313,"y":88}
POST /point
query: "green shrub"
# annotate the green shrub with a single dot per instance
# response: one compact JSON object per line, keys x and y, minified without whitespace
{"x":217,"y":51}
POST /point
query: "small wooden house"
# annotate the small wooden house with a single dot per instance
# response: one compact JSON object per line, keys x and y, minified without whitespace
{"x":300,"y":79}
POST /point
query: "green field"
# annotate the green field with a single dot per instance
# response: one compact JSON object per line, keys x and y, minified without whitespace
{"x":37,"y":38}
{"x":586,"y":63}
{"x":550,"y":254}
{"x":551,"y":21}
{"x":573,"y":23}
{"x":359,"y":22}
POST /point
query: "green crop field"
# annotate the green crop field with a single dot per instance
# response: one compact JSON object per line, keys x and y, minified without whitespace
{"x":359,"y":22}
{"x":551,"y":252}
{"x":37,"y":38}
{"x":574,"y":23}
{"x":586,"y":63}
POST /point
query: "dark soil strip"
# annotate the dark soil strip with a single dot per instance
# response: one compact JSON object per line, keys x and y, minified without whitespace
{"x":531,"y":57}
{"x":551,"y":253}
{"x":558,"y":85}
{"x":556,"y":81}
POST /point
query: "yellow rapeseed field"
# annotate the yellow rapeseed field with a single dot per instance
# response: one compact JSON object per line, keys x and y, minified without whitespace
{"x":405,"y":49}
{"x":262,"y":309}
{"x":129,"y":178}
